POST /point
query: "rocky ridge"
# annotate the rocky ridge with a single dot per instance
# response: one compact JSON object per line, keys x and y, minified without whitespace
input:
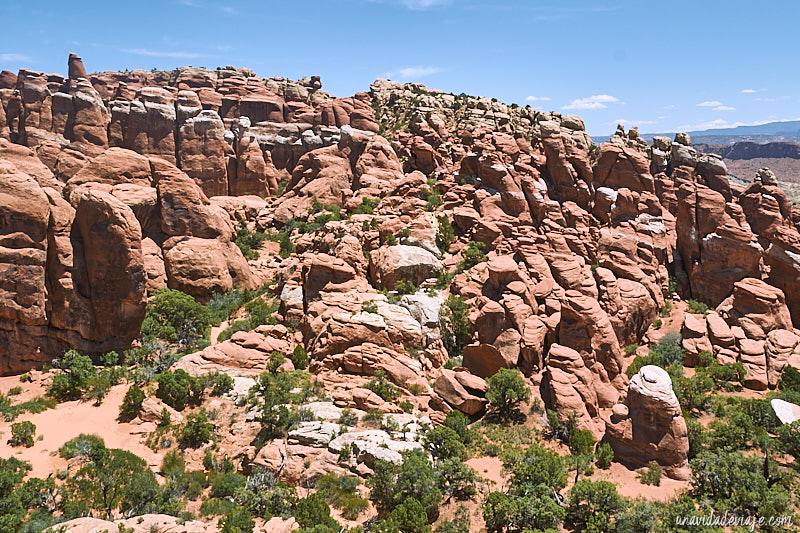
{"x":117,"y":184}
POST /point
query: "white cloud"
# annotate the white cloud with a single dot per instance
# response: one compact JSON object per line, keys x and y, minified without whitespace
{"x":748,"y":91}
{"x":625,"y":122}
{"x":15,"y":57}
{"x":597,"y":101}
{"x":537,"y":98}
{"x":759,"y":99}
{"x":671,"y":106}
{"x":423,"y":4}
{"x":411,"y":73}
{"x":162,"y":53}
{"x":712,"y":103}
{"x":724,"y":108}
{"x":722,"y":123}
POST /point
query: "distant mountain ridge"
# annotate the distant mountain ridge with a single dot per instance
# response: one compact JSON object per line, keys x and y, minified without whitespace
{"x":786,"y":131}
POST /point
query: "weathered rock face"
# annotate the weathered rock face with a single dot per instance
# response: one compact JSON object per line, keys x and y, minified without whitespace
{"x":568,"y":387}
{"x":649,"y":426}
{"x":72,"y":276}
{"x":391,"y":264}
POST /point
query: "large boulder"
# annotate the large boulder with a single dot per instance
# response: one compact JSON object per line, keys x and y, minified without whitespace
{"x":390,"y":264}
{"x":649,"y":426}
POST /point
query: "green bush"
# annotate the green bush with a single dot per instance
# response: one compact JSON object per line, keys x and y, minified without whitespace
{"x":22,"y":434}
{"x":369,"y":307}
{"x":444,"y":443}
{"x":258,"y":311}
{"x":237,"y":520}
{"x":415,"y":477}
{"x":454,"y":325}
{"x":220,"y":383}
{"x":594,"y":505}
{"x":651,"y":475}
{"x":74,"y":380}
{"x":669,"y":349}
{"x":174,"y":316}
{"x":82,"y":446}
{"x":197,"y":431}
{"x":131,"y":403}
{"x":445,"y":235}
{"x":390,"y":240}
{"x":178,"y":389}
{"x":697,"y":307}
{"x":507,"y":389}
{"x":458,"y":422}
{"x":383,"y":387}
{"x":342,"y":493}
{"x":604,"y":456}
{"x":313,"y":512}
{"x":249,"y":241}
{"x":403,"y":286}
{"x":472,"y":255}
{"x":367,"y":206}
{"x":300,"y":358}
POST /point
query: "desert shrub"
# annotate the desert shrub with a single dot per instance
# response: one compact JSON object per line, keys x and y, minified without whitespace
{"x":314,"y":512}
{"x":22,"y":434}
{"x":642,"y":360}
{"x":369,"y":307}
{"x":82,"y":446}
{"x":460,"y":523}
{"x":219,"y":382}
{"x":249,"y":241}
{"x":237,"y":520}
{"x":383,"y":387}
{"x":348,"y":417}
{"x":693,"y":392}
{"x":669,"y":349}
{"x":458,"y":422}
{"x":507,"y":389}
{"x":14,"y":391}
{"x":697,"y":307}
{"x":560,"y":429}
{"x":667,"y":309}
{"x":630,"y":349}
{"x":537,"y":475}
{"x":432,"y":198}
{"x":197,"y":430}
{"x":300,"y":358}
{"x":406,"y":406}
{"x":415,"y":477}
{"x":179,"y":389}
{"x":445,"y":235}
{"x":342,"y":493}
{"x":174,"y":316}
{"x":444,"y":443}
{"x":790,"y":379}
{"x":455,"y":325}
{"x":113,"y":483}
{"x":390,"y":240}
{"x":284,"y":240}
{"x":604,"y":455}
{"x":367,"y":206}
{"x":735,"y":480}
{"x":258,"y":311}
{"x":651,"y":475}
{"x":472,"y":255}
{"x":657,"y":323}
{"x":405,"y":287}
{"x":594,"y":505}
{"x":131,"y":403}
{"x":76,"y":372}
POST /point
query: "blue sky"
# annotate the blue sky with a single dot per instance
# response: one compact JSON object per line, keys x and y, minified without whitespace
{"x":675,"y":65}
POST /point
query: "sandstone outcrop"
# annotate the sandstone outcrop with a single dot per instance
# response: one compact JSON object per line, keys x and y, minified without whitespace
{"x":649,"y":426}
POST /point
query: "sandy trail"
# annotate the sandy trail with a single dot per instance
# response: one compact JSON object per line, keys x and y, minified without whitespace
{"x":67,"y":421}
